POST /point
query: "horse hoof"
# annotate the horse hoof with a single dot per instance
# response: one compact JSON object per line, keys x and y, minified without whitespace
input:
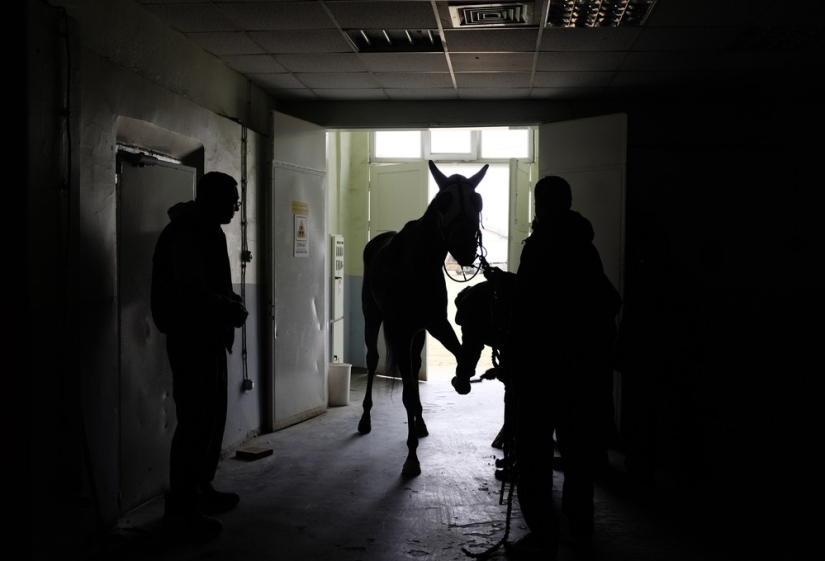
{"x":411,"y":469}
{"x":461,"y":386}
{"x":364,"y":427}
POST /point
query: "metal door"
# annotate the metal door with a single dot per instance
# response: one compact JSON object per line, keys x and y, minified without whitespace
{"x":147,"y":187}
{"x":299,"y":273}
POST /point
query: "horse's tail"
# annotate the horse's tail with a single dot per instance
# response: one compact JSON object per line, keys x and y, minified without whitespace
{"x":390,"y":361}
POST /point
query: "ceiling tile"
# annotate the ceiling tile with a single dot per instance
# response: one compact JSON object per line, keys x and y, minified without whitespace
{"x":579,"y":61}
{"x":253,"y":64}
{"x":489,"y":62}
{"x":189,"y":17}
{"x":411,"y":62}
{"x":493,"y":79}
{"x":414,"y":80}
{"x":314,"y":41}
{"x":491,"y":40}
{"x":337,"y":80}
{"x":318,"y":62}
{"x":220,"y":44}
{"x":274,"y":16}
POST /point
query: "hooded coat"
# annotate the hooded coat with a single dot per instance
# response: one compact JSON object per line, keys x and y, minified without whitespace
{"x":191,"y":278}
{"x":565,"y":306}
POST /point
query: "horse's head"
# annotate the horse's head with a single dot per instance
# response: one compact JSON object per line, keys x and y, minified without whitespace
{"x":459,"y":209}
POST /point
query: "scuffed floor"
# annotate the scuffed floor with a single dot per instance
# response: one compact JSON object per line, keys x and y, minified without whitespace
{"x":328,"y":493}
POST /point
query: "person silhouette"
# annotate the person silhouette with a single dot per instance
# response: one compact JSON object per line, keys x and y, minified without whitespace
{"x":193,"y":304}
{"x":559,"y":346}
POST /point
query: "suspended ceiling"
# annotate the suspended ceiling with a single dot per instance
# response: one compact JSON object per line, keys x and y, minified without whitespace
{"x":332,"y":50}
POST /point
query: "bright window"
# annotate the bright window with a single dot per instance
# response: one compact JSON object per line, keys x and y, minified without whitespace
{"x":506,"y":143}
{"x":497,"y":144}
{"x":397,"y":145}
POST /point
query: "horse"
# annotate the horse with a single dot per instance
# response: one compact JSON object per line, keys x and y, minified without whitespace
{"x":404,"y":289}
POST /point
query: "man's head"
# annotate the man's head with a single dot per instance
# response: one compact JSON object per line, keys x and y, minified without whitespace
{"x":217,"y":195}
{"x":552,"y":196}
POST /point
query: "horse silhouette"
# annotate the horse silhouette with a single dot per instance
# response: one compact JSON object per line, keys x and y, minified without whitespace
{"x":404,"y":289}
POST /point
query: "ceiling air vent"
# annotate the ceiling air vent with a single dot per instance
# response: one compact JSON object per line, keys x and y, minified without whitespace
{"x":598,"y":13}
{"x":509,"y":14}
{"x":395,"y":40}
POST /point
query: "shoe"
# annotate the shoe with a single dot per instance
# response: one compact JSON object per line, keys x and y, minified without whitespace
{"x":216,"y":502}
{"x":190,"y":526}
{"x":532,"y":547}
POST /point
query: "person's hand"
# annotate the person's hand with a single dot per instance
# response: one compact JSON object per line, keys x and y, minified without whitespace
{"x":491,"y":273}
{"x":239,"y":315}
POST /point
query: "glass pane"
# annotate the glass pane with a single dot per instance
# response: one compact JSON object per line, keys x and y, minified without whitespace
{"x":505,"y":143}
{"x":450,"y":141}
{"x":397,"y":144}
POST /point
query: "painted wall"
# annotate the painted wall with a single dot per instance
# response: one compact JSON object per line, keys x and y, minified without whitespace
{"x":120,"y":67}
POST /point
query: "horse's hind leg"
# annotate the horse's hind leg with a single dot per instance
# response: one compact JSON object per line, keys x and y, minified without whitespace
{"x":372,"y":327}
{"x":412,"y":404}
{"x":415,"y":357}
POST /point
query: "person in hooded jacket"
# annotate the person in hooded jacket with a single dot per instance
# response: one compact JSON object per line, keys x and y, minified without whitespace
{"x":560,"y":343}
{"x":194,"y":305}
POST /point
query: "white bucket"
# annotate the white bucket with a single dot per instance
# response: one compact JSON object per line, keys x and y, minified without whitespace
{"x":339,"y":374}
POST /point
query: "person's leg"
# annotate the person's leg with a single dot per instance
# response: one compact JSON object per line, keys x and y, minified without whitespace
{"x":578,"y":434}
{"x":214,"y":501}
{"x":190,"y":455}
{"x":534,"y":444}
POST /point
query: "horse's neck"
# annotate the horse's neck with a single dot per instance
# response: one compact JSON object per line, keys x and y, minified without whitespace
{"x":426,"y":239}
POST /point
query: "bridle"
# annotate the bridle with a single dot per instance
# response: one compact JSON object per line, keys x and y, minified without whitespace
{"x":482,"y":250}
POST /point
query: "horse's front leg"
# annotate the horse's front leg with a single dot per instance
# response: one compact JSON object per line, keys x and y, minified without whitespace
{"x":465,"y":368}
{"x":415,"y":358}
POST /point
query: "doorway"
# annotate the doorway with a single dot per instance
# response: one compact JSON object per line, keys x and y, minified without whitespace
{"x":147,"y":187}
{"x":495,"y":193}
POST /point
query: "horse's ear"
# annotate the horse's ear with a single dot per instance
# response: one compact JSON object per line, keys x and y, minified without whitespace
{"x":439,"y":177}
{"x":476,"y":179}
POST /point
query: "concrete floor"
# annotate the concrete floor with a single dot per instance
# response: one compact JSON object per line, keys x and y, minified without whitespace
{"x":328,"y":493}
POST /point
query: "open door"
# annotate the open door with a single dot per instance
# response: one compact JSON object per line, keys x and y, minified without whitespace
{"x":398,"y":194}
{"x":520,"y":210}
{"x":146,"y":188}
{"x":298,"y":335}
{"x":592,"y":154}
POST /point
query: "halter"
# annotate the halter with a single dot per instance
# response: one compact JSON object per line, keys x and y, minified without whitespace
{"x":442,"y":234}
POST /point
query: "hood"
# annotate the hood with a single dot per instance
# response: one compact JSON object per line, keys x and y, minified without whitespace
{"x":182,"y":210}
